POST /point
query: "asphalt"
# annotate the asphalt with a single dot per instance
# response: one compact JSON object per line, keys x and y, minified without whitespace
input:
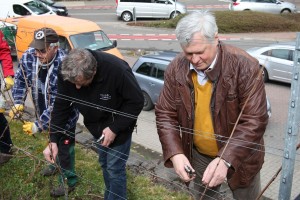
{"x":146,"y":138}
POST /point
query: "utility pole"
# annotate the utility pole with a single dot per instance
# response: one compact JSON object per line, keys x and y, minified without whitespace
{"x":292,"y":129}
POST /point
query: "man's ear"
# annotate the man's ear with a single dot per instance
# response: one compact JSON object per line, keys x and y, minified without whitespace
{"x":216,"y":38}
{"x":55,"y":48}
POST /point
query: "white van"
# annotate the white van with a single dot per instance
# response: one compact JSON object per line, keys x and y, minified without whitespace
{"x":128,"y":9}
{"x":17,"y":8}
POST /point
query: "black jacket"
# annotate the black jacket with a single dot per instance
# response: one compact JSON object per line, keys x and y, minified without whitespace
{"x":113,"y":99}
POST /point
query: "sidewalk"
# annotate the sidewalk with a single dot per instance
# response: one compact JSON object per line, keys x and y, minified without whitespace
{"x":72,"y":4}
{"x":271,"y":36}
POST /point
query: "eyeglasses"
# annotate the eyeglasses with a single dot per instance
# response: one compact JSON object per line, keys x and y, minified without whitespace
{"x":41,"y":51}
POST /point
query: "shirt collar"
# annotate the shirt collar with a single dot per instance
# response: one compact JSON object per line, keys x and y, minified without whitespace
{"x":211,"y":66}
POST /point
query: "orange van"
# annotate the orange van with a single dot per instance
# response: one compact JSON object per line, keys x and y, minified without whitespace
{"x":73,"y":33}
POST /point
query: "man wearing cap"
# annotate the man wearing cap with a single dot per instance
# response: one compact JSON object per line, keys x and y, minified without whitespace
{"x":38,"y":70}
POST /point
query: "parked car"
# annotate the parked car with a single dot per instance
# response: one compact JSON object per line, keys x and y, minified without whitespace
{"x":18,"y":8}
{"x":277,"y":59}
{"x":127,"y":9}
{"x":269,"y":6}
{"x":72,"y":32}
{"x":58,"y":8}
{"x":149,"y":71}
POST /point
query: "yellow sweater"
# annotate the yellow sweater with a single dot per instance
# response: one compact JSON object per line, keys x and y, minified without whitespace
{"x":204,"y":138}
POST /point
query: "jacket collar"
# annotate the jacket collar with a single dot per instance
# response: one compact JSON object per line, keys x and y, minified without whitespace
{"x":214,"y":73}
{"x":98,"y":77}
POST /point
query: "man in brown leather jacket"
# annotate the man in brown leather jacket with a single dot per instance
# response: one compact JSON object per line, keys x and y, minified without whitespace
{"x":212,"y":112}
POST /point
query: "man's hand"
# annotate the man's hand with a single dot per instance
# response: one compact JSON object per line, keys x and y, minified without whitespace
{"x":109,"y":137}
{"x":215,"y":174}
{"x":30,"y":128}
{"x":50,"y":152}
{"x":16,"y":111}
{"x":9,"y":82}
{"x":180,"y":162}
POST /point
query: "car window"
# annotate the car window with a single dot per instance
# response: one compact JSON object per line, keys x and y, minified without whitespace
{"x":64,"y":44}
{"x":293,"y":56}
{"x":133,"y":1}
{"x":281,"y":53}
{"x":268,"y":1}
{"x":250,"y":1}
{"x":145,"y":69}
{"x":159,"y":70}
{"x":162,"y":1}
{"x":92,"y":40}
{"x":37,"y":7}
{"x":20,"y":10}
{"x":267,"y":53}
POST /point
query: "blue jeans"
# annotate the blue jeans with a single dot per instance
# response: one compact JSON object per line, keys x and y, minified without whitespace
{"x":113,"y":162}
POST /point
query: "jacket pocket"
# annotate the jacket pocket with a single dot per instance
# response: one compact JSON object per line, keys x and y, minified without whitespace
{"x":252,"y":165}
{"x":232,"y":111}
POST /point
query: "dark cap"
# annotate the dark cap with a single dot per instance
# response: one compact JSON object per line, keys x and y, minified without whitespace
{"x":43,"y":37}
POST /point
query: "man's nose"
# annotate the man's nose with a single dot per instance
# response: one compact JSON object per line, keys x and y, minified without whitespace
{"x":195,"y":58}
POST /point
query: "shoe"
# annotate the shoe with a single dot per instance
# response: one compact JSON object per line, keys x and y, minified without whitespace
{"x":60,"y":191}
{"x":5,"y":157}
{"x":49,"y":170}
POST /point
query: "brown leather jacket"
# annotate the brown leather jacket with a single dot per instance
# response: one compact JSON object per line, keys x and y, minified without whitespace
{"x":234,"y":76}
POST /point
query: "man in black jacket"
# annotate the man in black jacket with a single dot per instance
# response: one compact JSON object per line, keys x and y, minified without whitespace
{"x":104,"y":90}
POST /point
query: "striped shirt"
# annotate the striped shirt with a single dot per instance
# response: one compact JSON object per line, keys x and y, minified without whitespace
{"x":28,"y":70}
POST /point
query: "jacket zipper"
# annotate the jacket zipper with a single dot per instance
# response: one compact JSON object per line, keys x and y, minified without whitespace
{"x":192,"y":118}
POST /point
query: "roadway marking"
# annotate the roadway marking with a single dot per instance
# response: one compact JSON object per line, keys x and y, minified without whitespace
{"x":114,"y":7}
{"x":91,"y":7}
{"x":158,"y":37}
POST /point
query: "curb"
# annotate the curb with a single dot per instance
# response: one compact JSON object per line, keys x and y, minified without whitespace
{"x":275,"y":37}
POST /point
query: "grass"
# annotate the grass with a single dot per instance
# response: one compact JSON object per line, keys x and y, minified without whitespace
{"x":239,"y":22}
{"x":21,"y":179}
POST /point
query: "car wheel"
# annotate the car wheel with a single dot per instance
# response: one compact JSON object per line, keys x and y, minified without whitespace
{"x":148,"y":105}
{"x":126,"y":16}
{"x":265,"y":75}
{"x":285,"y":11}
{"x":173,"y":14}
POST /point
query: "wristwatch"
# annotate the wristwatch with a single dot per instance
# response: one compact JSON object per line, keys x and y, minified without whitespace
{"x":228,"y":165}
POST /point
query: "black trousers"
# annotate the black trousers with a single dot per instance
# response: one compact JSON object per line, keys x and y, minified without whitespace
{"x":5,"y":140}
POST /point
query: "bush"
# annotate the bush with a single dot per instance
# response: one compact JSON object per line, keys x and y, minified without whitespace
{"x":240,"y":22}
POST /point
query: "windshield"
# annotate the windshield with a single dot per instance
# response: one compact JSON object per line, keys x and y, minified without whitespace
{"x":37,"y":7}
{"x":48,"y":2}
{"x":97,"y":40}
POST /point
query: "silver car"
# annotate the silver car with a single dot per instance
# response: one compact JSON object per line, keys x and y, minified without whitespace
{"x":149,"y":71}
{"x":128,"y":9}
{"x":268,"y":6}
{"x":277,"y":59}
